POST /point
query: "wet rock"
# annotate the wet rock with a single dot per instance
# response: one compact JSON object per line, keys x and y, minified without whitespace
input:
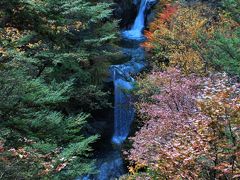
{"x":125,"y":11}
{"x":151,"y":12}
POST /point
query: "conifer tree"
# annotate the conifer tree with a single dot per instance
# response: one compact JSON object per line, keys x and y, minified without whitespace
{"x":54,"y":55}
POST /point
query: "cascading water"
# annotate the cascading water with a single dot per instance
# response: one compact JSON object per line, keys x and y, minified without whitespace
{"x":109,"y":162}
{"x":123,"y":112}
{"x":123,"y":81}
{"x":136,"y":31}
{"x":123,"y":108}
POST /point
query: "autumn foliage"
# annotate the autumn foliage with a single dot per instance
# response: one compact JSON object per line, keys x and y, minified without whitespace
{"x":192,"y":131}
{"x":174,"y":33}
{"x":190,"y":113}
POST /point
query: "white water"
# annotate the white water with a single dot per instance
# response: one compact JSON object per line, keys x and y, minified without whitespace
{"x":123,"y":80}
{"x":123,"y":107}
{"x":136,"y":31}
{"x":111,"y":166}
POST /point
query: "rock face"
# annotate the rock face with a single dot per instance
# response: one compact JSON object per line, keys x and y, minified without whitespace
{"x":126,"y":11}
{"x":150,"y":12}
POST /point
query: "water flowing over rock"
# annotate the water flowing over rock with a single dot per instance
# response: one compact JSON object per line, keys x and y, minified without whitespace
{"x":110,"y":166}
{"x":135,"y":32}
{"x":123,"y":80}
{"x":109,"y":163}
{"x":123,"y":83}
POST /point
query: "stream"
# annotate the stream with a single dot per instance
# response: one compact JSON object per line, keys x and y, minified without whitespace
{"x":109,"y":162}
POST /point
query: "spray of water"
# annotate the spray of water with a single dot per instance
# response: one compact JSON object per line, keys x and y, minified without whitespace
{"x":136,"y":31}
{"x":123,"y":81}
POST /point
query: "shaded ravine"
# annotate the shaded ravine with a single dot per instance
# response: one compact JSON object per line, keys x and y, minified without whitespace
{"x":123,"y":83}
{"x":122,"y":76}
{"x":135,"y":32}
{"x":109,"y":162}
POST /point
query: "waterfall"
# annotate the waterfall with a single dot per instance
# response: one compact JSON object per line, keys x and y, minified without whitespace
{"x":124,"y":82}
{"x":109,"y":160}
{"x":136,"y":31}
{"x":123,"y":107}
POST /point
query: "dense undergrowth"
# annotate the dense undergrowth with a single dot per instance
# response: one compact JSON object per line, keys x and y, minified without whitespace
{"x":190,"y":101}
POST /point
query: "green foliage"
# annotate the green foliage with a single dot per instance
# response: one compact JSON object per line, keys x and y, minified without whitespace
{"x":52,"y":140}
{"x":53,"y":58}
{"x":233,"y":8}
{"x":224,"y":52}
